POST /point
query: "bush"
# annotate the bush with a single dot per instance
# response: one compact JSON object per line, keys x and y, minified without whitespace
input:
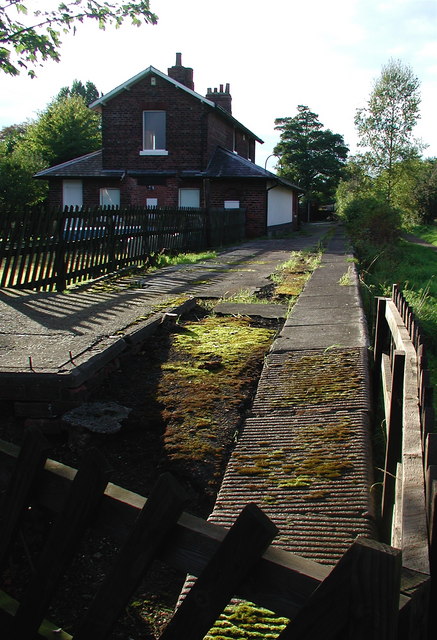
{"x":371,"y":222}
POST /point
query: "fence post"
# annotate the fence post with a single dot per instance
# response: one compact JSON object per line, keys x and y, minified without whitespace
{"x":394,"y":443}
{"x":359,"y":599}
{"x":380,"y":341}
{"x":60,"y":262}
{"x":208,"y":228}
{"x":110,"y":222}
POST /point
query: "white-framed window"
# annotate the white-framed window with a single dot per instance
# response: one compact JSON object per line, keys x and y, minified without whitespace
{"x":109,"y":197}
{"x":231,"y":204}
{"x":189,"y":198}
{"x":154,"y":133}
{"x":151,"y":202}
{"x":72,"y":193}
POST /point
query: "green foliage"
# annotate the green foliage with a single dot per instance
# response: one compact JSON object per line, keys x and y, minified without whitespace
{"x":65,"y":130}
{"x":355,"y":183}
{"x":414,"y":188}
{"x":309,"y":155}
{"x":88,"y":91}
{"x":413,"y":268}
{"x":371,"y":223}
{"x":17,"y":167}
{"x":18,"y":188}
{"x":427,"y":233}
{"x":244,"y":620}
{"x":385,"y":126}
{"x":424,"y":193}
{"x":30,"y":37}
{"x":11,"y":136}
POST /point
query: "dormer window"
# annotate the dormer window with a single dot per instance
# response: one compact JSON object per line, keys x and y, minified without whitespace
{"x":154,"y":139}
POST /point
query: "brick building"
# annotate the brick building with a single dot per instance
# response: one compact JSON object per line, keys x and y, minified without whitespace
{"x":164,"y":145}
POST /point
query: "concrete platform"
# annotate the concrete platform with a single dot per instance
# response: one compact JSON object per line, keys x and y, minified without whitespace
{"x":52,"y":343}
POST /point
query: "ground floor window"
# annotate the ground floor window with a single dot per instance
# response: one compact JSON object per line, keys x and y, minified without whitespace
{"x":72,"y":193}
{"x":231,"y":204}
{"x":109,"y":197}
{"x":152,"y":202}
{"x":189,"y":198}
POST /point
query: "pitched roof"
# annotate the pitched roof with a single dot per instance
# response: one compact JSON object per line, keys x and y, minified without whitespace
{"x":87,"y":166}
{"x":226,"y":164}
{"x":103,"y":100}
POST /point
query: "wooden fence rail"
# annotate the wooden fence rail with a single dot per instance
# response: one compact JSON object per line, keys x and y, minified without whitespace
{"x":43,"y":249}
{"x":408,"y":509}
{"x":365,"y":596}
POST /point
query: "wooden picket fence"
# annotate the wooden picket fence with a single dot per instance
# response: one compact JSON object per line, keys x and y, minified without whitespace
{"x":51,"y":249}
{"x":366,"y":596}
{"x":409,"y":498}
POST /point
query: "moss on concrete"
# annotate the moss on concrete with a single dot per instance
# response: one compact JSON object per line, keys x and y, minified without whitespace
{"x":212,"y":361}
{"x":245,"y":621}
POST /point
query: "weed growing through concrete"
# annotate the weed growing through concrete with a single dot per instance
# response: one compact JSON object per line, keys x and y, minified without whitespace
{"x":290,"y":277}
{"x":347,"y":279}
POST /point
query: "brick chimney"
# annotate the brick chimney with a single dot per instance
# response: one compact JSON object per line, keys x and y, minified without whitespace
{"x":181,"y":74}
{"x":221,"y":97}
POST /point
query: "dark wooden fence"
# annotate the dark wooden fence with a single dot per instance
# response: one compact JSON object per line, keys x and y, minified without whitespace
{"x":366,"y":596}
{"x":42,"y":249}
{"x":409,"y":498}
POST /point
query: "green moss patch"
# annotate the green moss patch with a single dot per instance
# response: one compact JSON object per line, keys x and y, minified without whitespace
{"x":245,"y":621}
{"x":319,"y":378}
{"x":204,"y":385}
{"x":318,"y":453}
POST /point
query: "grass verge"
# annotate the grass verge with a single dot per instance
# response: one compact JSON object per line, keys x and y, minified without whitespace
{"x":413,"y":268}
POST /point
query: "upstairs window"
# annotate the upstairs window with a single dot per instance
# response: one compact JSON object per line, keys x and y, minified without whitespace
{"x":154,"y":139}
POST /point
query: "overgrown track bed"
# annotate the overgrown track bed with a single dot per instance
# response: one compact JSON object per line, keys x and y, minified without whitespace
{"x":304,"y":454}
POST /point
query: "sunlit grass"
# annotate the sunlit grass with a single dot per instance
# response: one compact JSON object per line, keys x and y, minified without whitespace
{"x":413,"y":268}
{"x":164,"y":260}
{"x":427,"y":233}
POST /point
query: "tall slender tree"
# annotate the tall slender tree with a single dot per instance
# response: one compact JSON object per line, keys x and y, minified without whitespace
{"x":385,"y":126}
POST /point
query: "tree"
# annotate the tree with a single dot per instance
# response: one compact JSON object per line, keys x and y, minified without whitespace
{"x":385,"y":126}
{"x":87,"y":91}
{"x":415,"y":191}
{"x":18,"y":188}
{"x":30,"y":36}
{"x":355,"y":182}
{"x":309,"y":155}
{"x":65,"y":130}
{"x":11,"y":136}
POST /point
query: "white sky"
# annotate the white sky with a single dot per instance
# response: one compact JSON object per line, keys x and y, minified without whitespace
{"x":275,"y":54}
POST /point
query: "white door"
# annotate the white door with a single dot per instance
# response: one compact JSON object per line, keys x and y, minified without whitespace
{"x":189,"y":198}
{"x":72,"y":193}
